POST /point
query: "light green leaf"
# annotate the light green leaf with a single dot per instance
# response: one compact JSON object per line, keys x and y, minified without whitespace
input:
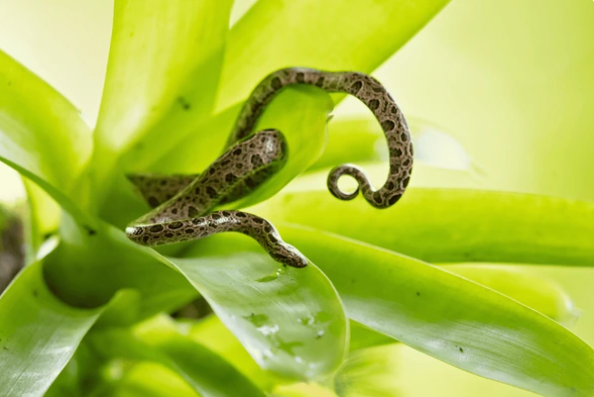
{"x":148,"y":379}
{"x":38,"y":334}
{"x":516,"y":282}
{"x":77,"y":269}
{"x":413,"y":369}
{"x":40,"y":131}
{"x":44,"y":215}
{"x":519,"y":283}
{"x":162,"y":76}
{"x":157,"y":67}
{"x":448,"y":225}
{"x":205,"y":371}
{"x":301,"y":333}
{"x":212,"y":332}
{"x":290,"y":320}
{"x":451,"y":318}
{"x":331,"y":34}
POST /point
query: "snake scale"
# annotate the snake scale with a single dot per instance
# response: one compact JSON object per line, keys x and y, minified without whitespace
{"x":184,"y":205}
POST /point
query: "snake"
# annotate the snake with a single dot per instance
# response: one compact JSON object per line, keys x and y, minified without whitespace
{"x":184,"y":206}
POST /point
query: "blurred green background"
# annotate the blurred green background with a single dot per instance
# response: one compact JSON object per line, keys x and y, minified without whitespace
{"x":512,"y":81}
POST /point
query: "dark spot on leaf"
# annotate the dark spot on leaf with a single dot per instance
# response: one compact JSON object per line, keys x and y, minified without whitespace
{"x":184,"y":103}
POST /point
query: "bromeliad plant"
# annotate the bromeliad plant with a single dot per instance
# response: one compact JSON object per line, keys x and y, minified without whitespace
{"x":86,"y":316}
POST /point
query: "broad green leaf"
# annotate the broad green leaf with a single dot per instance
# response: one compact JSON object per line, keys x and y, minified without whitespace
{"x":516,"y":282}
{"x":303,"y":390}
{"x":197,"y":92}
{"x":451,"y":318}
{"x":40,"y":131}
{"x":519,"y":283}
{"x":161,"y":79}
{"x":205,"y":371}
{"x":301,"y":333}
{"x":291,"y":321}
{"x":300,"y":113}
{"x":149,"y":379}
{"x":92,"y":263}
{"x":448,"y":225}
{"x":210,"y":331}
{"x":413,"y":369}
{"x":158,"y":67}
{"x":331,"y":34}
{"x":369,"y":373}
{"x":43,"y":216}
{"x":38,"y":334}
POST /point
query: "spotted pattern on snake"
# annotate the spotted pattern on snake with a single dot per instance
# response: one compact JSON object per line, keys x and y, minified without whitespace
{"x":188,"y":215}
{"x":369,"y":91}
{"x":183,"y":204}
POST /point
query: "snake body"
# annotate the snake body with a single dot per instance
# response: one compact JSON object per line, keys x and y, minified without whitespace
{"x":184,"y":204}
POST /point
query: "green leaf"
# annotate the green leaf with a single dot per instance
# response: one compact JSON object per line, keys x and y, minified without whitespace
{"x":520,"y":283}
{"x":205,"y":371}
{"x":451,"y":318}
{"x":147,"y":379}
{"x":159,"y":68}
{"x":38,"y":334}
{"x":162,"y":76}
{"x":40,"y":131}
{"x":331,"y":34}
{"x":291,"y":321}
{"x":447,"y":225}
{"x":212,"y":332}
{"x":302,"y":333}
{"x":76,"y":269}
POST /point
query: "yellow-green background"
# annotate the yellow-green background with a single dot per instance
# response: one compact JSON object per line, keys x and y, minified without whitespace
{"x":511,"y":80}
